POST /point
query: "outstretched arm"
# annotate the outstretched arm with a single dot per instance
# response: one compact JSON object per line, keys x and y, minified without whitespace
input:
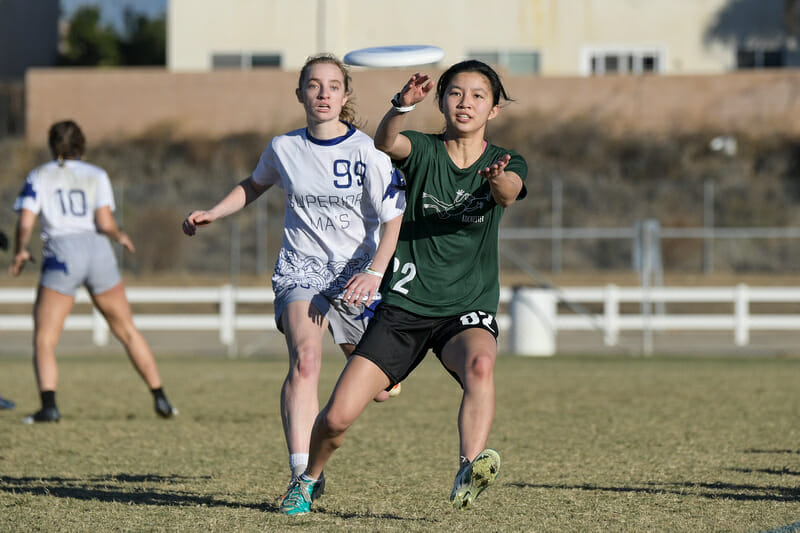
{"x":387,"y":137}
{"x":22,"y":237}
{"x":242,"y":195}
{"x":104,"y":220}
{"x":505,"y":186}
{"x":367,"y":283}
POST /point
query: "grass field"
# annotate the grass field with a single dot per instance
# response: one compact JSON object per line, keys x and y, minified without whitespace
{"x":588,"y":444}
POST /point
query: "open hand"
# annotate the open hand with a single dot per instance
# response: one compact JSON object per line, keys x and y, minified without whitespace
{"x":416,"y":89}
{"x":496,"y":169}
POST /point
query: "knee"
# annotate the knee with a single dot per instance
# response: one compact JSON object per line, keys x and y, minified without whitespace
{"x":480,"y":368}
{"x":45,"y":341}
{"x":307,"y":363}
{"x":333,"y":423}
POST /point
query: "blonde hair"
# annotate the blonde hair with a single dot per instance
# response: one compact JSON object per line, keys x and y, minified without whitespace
{"x":348,"y":112}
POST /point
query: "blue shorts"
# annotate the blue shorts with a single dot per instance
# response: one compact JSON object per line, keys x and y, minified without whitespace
{"x":80,"y":259}
{"x":397,"y":341}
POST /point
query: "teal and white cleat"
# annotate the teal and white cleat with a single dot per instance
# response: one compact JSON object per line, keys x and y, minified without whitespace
{"x":474,"y":477}
{"x":300,"y":495}
{"x":319,"y":489}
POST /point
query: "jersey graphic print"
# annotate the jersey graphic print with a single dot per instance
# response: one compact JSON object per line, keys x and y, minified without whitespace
{"x":464,"y":203}
{"x":295,"y":270}
{"x":338,"y":193}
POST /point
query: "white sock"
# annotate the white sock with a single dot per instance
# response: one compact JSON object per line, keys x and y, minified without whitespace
{"x":298,"y":463}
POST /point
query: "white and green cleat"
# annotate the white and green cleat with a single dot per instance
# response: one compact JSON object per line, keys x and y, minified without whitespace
{"x":474,"y":477}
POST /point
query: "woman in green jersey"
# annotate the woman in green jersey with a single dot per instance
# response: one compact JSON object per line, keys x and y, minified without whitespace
{"x":443,"y":292}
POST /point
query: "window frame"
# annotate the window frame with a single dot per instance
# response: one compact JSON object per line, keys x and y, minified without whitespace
{"x":630,"y":60}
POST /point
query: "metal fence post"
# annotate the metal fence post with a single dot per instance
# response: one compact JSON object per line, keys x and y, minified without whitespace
{"x":742,"y":314}
{"x":611,"y":313}
{"x":227,"y":315}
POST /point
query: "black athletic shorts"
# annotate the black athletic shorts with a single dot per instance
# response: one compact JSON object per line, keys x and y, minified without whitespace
{"x":397,"y":341}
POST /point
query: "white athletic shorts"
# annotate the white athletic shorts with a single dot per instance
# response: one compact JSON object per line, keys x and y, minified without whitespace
{"x":86,"y":259}
{"x":345,"y":322}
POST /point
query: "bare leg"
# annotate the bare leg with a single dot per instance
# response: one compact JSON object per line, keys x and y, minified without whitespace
{"x":304,"y":329}
{"x":49,"y":313}
{"x":360,"y":381}
{"x":114,"y":306}
{"x":383,"y":395}
{"x":472,"y":354}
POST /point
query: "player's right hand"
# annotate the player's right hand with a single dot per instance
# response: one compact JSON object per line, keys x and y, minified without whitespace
{"x":19,"y":261}
{"x":194,"y":219}
{"x":416,"y":89}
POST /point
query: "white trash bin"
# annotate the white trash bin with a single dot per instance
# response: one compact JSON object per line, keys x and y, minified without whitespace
{"x":533,"y":321}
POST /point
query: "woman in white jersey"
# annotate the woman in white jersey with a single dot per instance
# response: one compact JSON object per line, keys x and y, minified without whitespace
{"x":339,"y":191}
{"x":76,"y":204}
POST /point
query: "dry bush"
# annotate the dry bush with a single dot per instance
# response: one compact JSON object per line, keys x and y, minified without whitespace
{"x":608,"y":181}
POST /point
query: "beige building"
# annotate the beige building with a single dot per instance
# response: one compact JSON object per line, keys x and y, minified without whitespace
{"x":540,"y":37}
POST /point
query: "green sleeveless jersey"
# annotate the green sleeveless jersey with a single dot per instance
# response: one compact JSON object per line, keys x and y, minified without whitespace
{"x":446,"y":262}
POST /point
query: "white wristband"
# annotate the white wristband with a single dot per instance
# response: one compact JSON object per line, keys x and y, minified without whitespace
{"x":371,"y":272}
{"x":401,"y":109}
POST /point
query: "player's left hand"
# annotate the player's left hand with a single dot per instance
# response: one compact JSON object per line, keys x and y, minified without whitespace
{"x":125,"y":241}
{"x":361,"y":288}
{"x":497,"y":168}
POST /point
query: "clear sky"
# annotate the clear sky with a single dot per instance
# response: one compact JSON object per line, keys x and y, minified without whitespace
{"x":112,"y":10}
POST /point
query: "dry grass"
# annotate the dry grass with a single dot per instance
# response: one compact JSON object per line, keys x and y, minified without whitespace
{"x":588,"y":444}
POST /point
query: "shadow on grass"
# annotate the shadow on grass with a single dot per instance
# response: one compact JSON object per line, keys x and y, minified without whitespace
{"x":771,"y":471}
{"x":757,"y":450}
{"x":739,"y":492}
{"x":112,"y":488}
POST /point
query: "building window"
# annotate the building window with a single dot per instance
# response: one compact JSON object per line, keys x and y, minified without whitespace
{"x":245,"y":61}
{"x":517,"y":62}
{"x":226,"y":61}
{"x":747,"y":58}
{"x":599,"y":62}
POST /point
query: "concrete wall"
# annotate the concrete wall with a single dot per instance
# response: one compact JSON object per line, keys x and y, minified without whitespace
{"x":119,"y":103}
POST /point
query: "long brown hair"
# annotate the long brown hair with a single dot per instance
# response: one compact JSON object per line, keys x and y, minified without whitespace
{"x":348,"y":112}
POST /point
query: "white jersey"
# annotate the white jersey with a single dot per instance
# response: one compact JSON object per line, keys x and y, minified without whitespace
{"x":338,"y":193}
{"x":66,"y":195}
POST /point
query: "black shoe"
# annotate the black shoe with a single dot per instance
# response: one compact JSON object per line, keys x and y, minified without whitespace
{"x":164,"y":408}
{"x":6,"y":403}
{"x":45,"y":414}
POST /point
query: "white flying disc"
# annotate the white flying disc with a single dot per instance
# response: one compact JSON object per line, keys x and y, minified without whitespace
{"x":395,"y":56}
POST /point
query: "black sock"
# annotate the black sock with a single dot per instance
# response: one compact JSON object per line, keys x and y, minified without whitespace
{"x":158,"y":393}
{"x":48,"y":398}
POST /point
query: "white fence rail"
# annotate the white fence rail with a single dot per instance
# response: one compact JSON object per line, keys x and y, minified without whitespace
{"x":533,"y":316}
{"x":740,"y":319}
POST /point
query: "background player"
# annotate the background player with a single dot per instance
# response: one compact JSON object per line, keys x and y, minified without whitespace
{"x":76,"y":204}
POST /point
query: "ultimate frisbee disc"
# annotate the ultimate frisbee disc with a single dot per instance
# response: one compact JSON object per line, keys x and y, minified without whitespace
{"x":395,"y":56}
